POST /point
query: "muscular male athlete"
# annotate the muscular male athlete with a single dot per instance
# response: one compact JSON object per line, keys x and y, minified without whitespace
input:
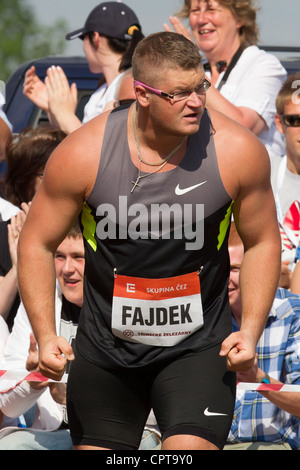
{"x":155,"y":185}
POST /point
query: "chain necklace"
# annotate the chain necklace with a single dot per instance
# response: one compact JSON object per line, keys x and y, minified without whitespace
{"x":159,"y":165}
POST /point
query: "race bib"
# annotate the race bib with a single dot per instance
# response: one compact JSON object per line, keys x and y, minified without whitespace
{"x":157,"y":312}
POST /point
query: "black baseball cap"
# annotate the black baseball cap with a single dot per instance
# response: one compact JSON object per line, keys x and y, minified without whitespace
{"x":112,"y":19}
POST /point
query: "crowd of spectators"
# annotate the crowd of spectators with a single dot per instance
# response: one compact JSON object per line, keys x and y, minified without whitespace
{"x":250,"y":86}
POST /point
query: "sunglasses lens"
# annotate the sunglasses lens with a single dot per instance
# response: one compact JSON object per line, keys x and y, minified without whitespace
{"x":292,"y":120}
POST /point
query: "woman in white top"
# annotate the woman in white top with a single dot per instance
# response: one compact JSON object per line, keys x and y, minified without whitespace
{"x":246,"y":79}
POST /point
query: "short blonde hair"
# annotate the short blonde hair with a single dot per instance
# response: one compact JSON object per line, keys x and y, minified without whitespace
{"x":163,"y":50}
{"x":243,"y":10}
{"x":284,"y":96}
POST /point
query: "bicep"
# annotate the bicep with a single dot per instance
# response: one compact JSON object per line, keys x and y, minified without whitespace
{"x":56,"y":204}
{"x":255,"y":216}
{"x":50,"y":218}
{"x":254,"y":207}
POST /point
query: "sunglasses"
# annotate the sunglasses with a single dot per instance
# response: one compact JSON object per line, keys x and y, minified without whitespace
{"x":291,"y":120}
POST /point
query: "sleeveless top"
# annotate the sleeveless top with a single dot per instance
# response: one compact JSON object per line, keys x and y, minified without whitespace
{"x":157,"y":264}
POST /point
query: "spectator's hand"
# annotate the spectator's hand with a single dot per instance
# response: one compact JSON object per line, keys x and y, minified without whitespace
{"x":32,"y":363}
{"x":13,"y":238}
{"x":62,"y":98}
{"x":35,"y":89}
{"x":14,"y":229}
{"x":178,"y":27}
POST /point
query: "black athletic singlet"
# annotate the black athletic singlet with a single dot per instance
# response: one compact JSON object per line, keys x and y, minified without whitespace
{"x":173,"y":224}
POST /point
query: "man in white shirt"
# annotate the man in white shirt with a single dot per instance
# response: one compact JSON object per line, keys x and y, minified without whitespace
{"x":49,"y":429}
{"x":285,"y":171}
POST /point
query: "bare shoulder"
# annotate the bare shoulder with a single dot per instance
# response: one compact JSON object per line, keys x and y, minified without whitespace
{"x":242,"y":157}
{"x":76,"y":159}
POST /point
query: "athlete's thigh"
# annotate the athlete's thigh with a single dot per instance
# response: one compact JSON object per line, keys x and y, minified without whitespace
{"x":195,"y":395}
{"x":106,"y":409}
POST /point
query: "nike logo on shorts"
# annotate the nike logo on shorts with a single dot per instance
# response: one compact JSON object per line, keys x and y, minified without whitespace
{"x":180,"y":192}
{"x":211,"y":413}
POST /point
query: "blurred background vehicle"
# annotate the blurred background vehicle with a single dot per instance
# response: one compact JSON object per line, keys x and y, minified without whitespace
{"x":21,"y":112}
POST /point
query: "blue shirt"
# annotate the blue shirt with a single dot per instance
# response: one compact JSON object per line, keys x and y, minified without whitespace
{"x":255,"y":417}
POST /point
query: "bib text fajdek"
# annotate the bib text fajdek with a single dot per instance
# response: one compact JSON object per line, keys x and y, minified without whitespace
{"x":157,"y":312}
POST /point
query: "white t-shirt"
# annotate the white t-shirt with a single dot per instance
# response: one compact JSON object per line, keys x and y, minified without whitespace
{"x":7,"y":209}
{"x":254,"y":83}
{"x":286,"y":188}
{"x":18,"y":397}
{"x":100,"y":98}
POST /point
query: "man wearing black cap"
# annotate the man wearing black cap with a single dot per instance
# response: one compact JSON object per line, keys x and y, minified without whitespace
{"x":110,"y":34}
{"x":112,"y":19}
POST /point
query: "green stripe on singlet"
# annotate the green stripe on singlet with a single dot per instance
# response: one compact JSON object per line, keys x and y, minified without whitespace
{"x":89,"y":226}
{"x":224,"y":226}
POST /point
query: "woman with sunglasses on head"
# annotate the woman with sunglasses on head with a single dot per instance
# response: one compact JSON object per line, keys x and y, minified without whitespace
{"x":246,"y":79}
{"x":26,"y":156}
{"x":285,"y":172}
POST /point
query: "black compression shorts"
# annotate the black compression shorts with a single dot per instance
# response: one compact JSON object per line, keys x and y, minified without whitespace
{"x":195,"y":394}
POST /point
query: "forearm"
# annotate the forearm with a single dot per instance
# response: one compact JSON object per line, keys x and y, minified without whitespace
{"x":20,"y":399}
{"x":62,"y":100}
{"x":66,"y":123}
{"x":37,"y":289}
{"x":260,"y":267}
{"x":70,"y":124}
{"x":245,"y":116}
{"x":287,"y":401}
{"x":36,"y":275}
{"x":240,"y":346}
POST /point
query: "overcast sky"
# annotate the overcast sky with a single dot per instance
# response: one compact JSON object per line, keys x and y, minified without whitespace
{"x":278,"y":20}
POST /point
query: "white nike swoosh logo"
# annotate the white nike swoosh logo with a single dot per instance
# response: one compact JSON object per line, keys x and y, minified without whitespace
{"x":209,"y":413}
{"x":180,"y":192}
